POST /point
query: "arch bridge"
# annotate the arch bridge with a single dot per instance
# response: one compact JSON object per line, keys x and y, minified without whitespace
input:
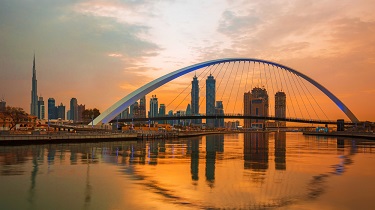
{"x":114,"y":110}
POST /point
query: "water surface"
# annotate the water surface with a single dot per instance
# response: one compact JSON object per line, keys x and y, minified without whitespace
{"x":231,"y":171}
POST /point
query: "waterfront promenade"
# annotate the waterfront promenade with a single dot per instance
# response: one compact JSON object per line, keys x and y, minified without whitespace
{"x":18,"y":139}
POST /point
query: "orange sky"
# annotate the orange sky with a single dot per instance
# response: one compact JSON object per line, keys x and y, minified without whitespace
{"x":100,"y":51}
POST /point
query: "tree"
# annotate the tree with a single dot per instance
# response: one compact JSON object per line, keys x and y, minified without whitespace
{"x":89,"y":114}
{"x":14,"y":116}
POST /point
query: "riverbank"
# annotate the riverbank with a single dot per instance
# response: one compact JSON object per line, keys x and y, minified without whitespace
{"x":23,"y":139}
{"x":362,"y":135}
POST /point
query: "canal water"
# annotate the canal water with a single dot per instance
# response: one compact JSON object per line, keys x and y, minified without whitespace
{"x":231,"y":171}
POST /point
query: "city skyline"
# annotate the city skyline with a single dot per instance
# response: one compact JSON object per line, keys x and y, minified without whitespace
{"x":329,"y":41}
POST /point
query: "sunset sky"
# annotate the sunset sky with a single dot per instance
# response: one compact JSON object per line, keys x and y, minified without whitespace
{"x":100,"y":51}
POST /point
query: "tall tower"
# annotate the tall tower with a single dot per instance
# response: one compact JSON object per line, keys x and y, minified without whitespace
{"x":210,"y":99}
{"x":41,"y":109}
{"x":194,"y":96}
{"x":73,"y":109}
{"x":142,"y":107}
{"x":61,"y":111}
{"x":219,"y":110}
{"x":154,"y":106}
{"x":280,"y":107}
{"x":34,"y":94}
{"x":51,"y":108}
{"x":256,"y":104}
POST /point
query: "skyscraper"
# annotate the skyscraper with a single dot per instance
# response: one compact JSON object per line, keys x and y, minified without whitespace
{"x":280,"y":107}
{"x":210,"y":99}
{"x":125,"y":114}
{"x":51,"y":109}
{"x":61,"y":111}
{"x":41,"y":109}
{"x":73,"y":109}
{"x":162,"y":113}
{"x":153,"y":106}
{"x":219,"y":110}
{"x":255,"y":104}
{"x":142,"y":107}
{"x":194,"y":96}
{"x":81,"y":109}
{"x":34,"y":94}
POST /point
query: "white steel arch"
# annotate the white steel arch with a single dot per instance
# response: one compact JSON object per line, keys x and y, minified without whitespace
{"x":125,"y":102}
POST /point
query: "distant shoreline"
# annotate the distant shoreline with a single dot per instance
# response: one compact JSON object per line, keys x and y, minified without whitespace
{"x":363,"y":135}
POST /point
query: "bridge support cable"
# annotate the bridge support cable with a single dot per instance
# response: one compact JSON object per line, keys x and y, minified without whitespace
{"x":188,"y":94}
{"x":273,"y":90}
{"x":289,"y":92}
{"x":122,"y":104}
{"x":316,"y":102}
{"x":226,"y":84}
{"x":203,"y":87}
{"x":186,"y":88}
{"x":231,"y":90}
{"x":260,"y":76}
{"x":269,"y":97}
{"x":252,"y":78}
{"x":303,"y":101}
{"x":239,"y":86}
{"x":299,"y":80}
{"x":245,"y":88}
{"x":222,"y":78}
{"x":207,"y":69}
{"x":294,"y":94}
{"x":278,"y":80}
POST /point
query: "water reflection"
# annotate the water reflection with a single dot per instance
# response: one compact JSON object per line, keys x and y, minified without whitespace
{"x":160,"y":166}
{"x":194,"y":156}
{"x":280,"y":150}
{"x":255,"y":155}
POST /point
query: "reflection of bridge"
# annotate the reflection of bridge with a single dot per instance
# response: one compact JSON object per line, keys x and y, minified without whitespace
{"x":228,"y":116}
{"x":242,"y":72}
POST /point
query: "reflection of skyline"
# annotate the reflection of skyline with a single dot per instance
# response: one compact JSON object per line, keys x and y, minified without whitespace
{"x":280,"y":151}
{"x":256,"y":151}
{"x":214,"y":143}
{"x":194,"y":163}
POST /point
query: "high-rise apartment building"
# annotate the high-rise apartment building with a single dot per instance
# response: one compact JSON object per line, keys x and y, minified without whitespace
{"x":219,"y":110}
{"x":34,"y":93}
{"x":51,"y":109}
{"x":73,"y":109}
{"x":210,"y":99}
{"x":194,"y":96}
{"x":125,"y":114}
{"x":68,"y":115}
{"x":41,"y":109}
{"x":61,"y":111}
{"x":142,"y":107}
{"x":162,"y":112}
{"x":153,"y":106}
{"x":280,"y":107}
{"x":255,"y":104}
{"x":81,"y":109}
